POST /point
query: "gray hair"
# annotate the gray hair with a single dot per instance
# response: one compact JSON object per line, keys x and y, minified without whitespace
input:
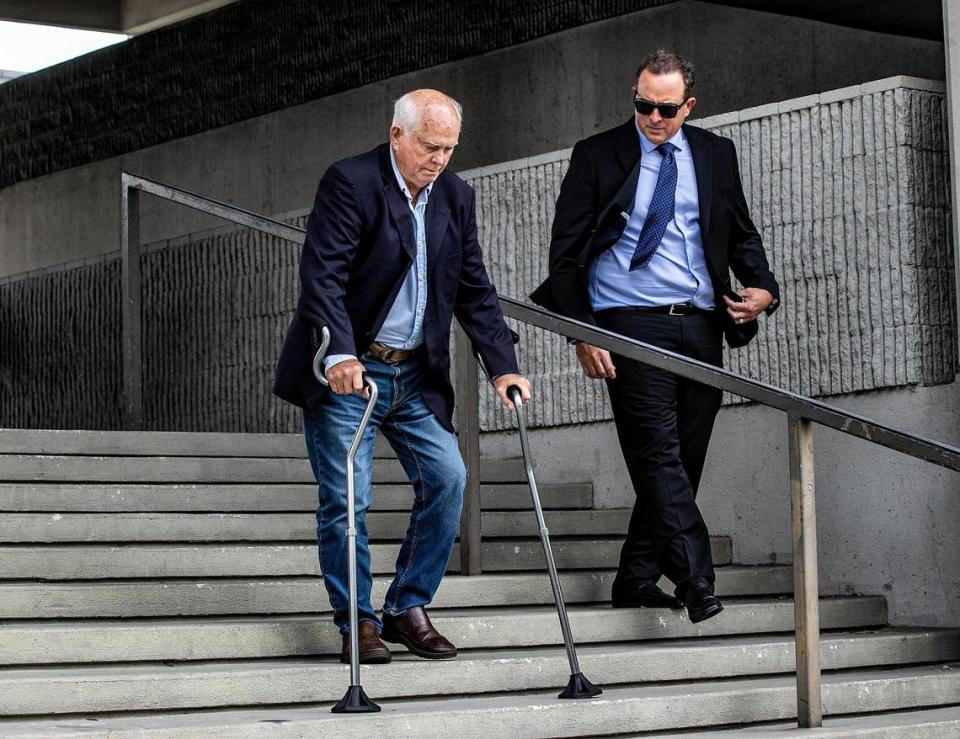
{"x":406,"y":112}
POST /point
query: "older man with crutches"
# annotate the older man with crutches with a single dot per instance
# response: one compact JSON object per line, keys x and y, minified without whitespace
{"x":390,"y":257}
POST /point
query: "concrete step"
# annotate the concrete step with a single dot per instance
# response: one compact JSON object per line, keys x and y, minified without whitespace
{"x":39,"y":468}
{"x":150,"y":443}
{"x":258,"y":637}
{"x":153,"y":443}
{"x":619,"y":710}
{"x":157,"y":686}
{"x":238,"y":497}
{"x":205,"y":527}
{"x":930,"y":723}
{"x":226,"y":596}
{"x":93,"y":562}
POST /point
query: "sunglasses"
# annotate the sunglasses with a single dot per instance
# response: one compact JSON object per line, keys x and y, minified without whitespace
{"x":667,"y":110}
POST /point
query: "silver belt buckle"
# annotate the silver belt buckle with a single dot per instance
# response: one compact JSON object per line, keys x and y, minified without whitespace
{"x":674,"y":312}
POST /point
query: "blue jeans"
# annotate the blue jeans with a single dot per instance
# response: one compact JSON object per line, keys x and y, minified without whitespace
{"x":431,"y":459}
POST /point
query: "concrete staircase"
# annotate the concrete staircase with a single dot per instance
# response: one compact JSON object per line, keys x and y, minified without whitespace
{"x":167,"y":585}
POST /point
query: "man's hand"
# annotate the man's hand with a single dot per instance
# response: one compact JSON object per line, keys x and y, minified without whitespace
{"x":596,"y":362}
{"x":755,"y":300}
{"x":347,"y":377}
{"x":502,"y":383}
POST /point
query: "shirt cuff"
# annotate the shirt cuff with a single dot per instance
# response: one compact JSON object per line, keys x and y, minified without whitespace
{"x":333,"y":359}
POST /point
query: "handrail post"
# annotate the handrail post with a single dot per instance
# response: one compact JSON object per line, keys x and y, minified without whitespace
{"x":805,"y":585}
{"x":468,"y":430}
{"x":131,"y":330}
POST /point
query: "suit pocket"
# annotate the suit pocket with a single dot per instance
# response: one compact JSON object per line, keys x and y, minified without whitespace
{"x":451,"y":262}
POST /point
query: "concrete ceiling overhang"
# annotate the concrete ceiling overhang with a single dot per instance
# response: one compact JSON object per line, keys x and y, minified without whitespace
{"x":117,"y":16}
{"x":919,"y":18}
{"x":923,"y":18}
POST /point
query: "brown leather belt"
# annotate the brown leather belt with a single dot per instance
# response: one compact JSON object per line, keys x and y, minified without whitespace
{"x":389,"y":355}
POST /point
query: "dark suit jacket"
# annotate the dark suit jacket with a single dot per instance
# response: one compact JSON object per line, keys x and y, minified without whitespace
{"x":359,"y":246}
{"x":601,"y":183}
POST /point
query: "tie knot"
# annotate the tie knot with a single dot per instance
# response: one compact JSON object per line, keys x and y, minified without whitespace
{"x":667,"y":149}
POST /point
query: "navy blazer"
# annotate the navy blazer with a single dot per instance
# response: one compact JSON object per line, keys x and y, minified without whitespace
{"x":360,"y":244}
{"x":601,"y":182}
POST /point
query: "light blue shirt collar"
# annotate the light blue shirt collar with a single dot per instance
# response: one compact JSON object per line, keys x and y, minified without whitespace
{"x":678,"y":140}
{"x":424,"y":193}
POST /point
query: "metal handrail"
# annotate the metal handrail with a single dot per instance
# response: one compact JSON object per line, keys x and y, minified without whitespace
{"x":792,"y":403}
{"x":801,"y":412}
{"x":785,"y":400}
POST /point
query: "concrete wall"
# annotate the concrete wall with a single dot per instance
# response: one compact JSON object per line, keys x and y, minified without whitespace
{"x":847,"y":188}
{"x":247,"y":60}
{"x":535,"y":97}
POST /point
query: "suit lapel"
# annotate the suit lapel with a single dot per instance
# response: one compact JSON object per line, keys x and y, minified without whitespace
{"x":628,"y":146}
{"x":702,"y":155}
{"x":437,"y":216}
{"x":628,"y":154}
{"x":400,"y":214}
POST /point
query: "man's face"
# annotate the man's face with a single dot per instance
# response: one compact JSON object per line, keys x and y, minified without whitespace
{"x":661,"y":88}
{"x":423,"y":153}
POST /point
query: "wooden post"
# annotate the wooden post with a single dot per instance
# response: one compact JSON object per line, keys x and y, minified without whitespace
{"x":468,"y":429}
{"x":805,"y":585}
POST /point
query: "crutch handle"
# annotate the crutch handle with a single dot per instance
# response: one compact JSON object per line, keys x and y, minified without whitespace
{"x":318,"y":357}
{"x":515,"y":394}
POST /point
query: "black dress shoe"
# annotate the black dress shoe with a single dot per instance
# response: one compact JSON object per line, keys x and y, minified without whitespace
{"x":700,"y":601}
{"x":647,"y":595}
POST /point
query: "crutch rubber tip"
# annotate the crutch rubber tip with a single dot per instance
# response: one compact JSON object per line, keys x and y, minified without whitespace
{"x":355,"y":701}
{"x":580,"y":687}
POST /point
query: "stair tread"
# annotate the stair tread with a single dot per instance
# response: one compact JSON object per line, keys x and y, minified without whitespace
{"x":101,"y":561}
{"x":620,"y":709}
{"x":219,"y":637}
{"x":598,"y":610}
{"x":166,"y":597}
{"x":130,"y":527}
{"x":149,"y":443}
{"x":72,"y":442}
{"x":405,"y":662}
{"x":929,"y":722}
{"x":122,"y":496}
{"x":71,"y":468}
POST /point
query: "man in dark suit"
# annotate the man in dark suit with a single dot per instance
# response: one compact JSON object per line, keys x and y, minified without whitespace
{"x":391,"y":256}
{"x":650,"y":220}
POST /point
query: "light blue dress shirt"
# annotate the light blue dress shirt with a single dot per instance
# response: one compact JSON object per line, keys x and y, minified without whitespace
{"x":403,"y":326}
{"x":677,"y":272}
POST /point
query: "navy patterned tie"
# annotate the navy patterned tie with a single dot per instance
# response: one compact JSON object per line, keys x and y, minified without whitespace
{"x":661,"y":209}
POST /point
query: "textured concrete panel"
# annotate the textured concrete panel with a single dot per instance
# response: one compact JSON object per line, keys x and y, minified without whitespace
{"x":60,"y":348}
{"x":215,"y":311}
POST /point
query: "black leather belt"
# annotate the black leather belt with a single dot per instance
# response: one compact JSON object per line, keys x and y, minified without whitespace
{"x":677,"y":309}
{"x":389,"y":355}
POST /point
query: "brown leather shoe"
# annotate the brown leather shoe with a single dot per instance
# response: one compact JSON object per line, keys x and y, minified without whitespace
{"x":414,"y":630}
{"x":372,"y":650}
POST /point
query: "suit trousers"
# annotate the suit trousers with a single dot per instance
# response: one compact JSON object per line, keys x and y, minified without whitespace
{"x":664,"y":423}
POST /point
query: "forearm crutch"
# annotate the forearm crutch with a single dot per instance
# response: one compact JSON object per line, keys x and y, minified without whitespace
{"x":354,"y":700}
{"x":578,"y":686}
